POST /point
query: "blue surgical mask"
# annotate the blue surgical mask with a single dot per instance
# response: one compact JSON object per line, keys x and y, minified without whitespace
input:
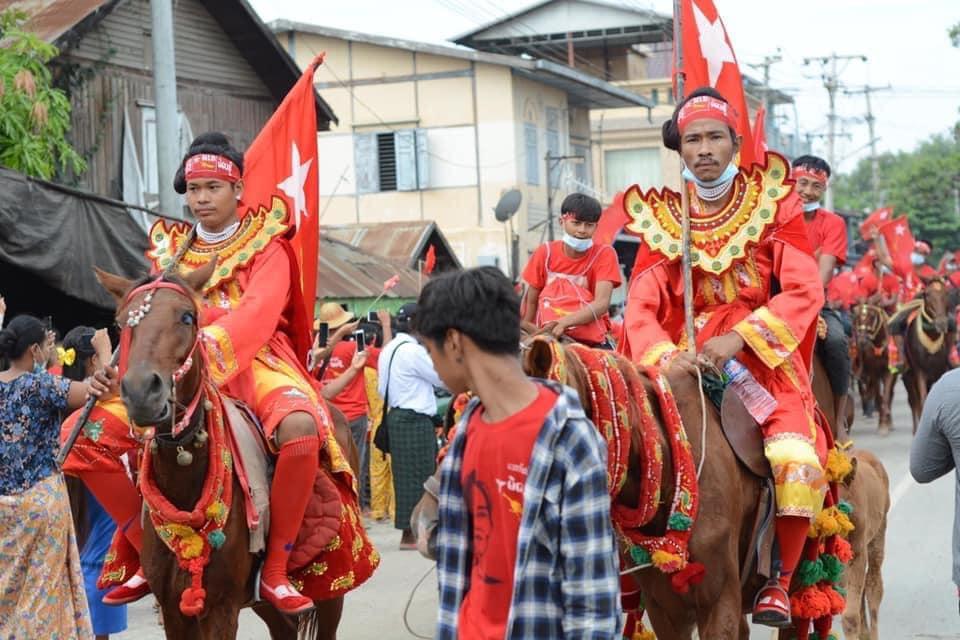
{"x":811,"y":206}
{"x":577,"y":244}
{"x":916,"y":258}
{"x":728,"y":174}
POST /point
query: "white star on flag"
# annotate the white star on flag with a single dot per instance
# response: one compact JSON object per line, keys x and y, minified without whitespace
{"x":713,"y":44}
{"x":900,"y":229}
{"x":293,"y":185}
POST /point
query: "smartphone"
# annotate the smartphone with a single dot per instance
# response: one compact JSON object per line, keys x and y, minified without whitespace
{"x":360,"y":338}
{"x":372,"y":317}
{"x":323,"y":334}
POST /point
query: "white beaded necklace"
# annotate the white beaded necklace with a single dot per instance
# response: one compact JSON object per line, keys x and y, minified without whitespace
{"x":213,"y":237}
{"x":712,"y":194}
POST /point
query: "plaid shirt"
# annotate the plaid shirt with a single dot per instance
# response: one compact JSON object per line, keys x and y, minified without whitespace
{"x":565,"y":581}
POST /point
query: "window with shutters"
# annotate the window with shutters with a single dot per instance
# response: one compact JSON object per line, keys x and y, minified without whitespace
{"x":396,"y":161}
{"x":532,"y":152}
{"x":553,"y":142}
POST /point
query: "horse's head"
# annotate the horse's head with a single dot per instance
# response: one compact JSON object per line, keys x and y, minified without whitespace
{"x":867,"y":322}
{"x":936,"y":305}
{"x":543,"y":356}
{"x":158,"y":318}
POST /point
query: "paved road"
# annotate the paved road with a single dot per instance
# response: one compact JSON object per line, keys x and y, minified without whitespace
{"x":919,"y":603}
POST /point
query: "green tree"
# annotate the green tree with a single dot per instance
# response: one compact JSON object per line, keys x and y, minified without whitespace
{"x":34,"y":115}
{"x":920,"y":184}
{"x":954,"y":33}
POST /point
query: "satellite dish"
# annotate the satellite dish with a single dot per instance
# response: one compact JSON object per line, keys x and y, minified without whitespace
{"x":508,"y":205}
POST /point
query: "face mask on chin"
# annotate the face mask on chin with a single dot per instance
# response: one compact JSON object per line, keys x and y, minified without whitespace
{"x":811,"y":206}
{"x":728,"y":174}
{"x":579,"y":245}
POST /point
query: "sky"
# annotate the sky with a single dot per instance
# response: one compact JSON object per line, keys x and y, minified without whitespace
{"x":906,"y":45}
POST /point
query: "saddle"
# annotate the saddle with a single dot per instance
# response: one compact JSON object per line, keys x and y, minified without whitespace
{"x":744,"y":437}
{"x":254,"y":467}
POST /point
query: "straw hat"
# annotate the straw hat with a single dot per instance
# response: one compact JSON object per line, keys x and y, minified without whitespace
{"x":333,"y":314}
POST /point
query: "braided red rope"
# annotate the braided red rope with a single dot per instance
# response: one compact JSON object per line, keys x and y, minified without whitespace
{"x":193,"y":535}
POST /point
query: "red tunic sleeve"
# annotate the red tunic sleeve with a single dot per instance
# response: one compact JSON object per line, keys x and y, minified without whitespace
{"x":775,"y":330}
{"x":648,"y":342}
{"x":607,"y":267}
{"x":234,"y":339}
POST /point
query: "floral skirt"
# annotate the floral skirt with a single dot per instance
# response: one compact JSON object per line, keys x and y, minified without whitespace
{"x":41,"y":585}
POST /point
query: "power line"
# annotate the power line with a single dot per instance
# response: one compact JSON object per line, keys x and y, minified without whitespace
{"x":874,"y":160}
{"x":831,"y":82}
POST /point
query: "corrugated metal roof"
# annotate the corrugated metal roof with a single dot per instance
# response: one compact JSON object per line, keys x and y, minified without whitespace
{"x":403,"y":242}
{"x":393,"y":240}
{"x":348,"y":272}
{"x":50,"y":19}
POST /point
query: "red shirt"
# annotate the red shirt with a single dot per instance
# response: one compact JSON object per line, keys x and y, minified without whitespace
{"x":828,"y":235}
{"x":843,"y":289}
{"x":352,"y":401}
{"x":493,"y":476}
{"x":598,"y":264}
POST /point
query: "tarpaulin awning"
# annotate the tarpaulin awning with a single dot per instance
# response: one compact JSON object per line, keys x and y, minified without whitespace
{"x":58,"y":235}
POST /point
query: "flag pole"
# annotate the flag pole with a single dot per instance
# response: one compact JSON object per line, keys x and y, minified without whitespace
{"x":685,"y":262}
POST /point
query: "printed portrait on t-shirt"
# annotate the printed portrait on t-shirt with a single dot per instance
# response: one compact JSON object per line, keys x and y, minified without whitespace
{"x":480,"y":505}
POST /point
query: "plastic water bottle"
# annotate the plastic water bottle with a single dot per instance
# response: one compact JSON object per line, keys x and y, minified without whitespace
{"x":757,"y":400}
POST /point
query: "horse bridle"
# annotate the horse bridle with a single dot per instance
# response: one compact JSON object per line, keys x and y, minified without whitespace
{"x":873,"y":329}
{"x":186,"y":429}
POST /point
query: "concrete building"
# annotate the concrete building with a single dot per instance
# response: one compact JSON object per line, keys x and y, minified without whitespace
{"x":632,"y":49}
{"x":440,"y":133}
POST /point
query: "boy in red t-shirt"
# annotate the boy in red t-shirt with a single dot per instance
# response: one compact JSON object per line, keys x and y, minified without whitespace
{"x":570,"y":281}
{"x":827,"y":233}
{"x":525,"y":546}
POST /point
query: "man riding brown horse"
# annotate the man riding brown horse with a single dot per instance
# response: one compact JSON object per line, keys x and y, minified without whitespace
{"x":757,"y":294}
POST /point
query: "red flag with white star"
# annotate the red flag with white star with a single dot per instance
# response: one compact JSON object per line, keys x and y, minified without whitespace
{"x":876,"y":219}
{"x":708,"y":61}
{"x":282,"y":162}
{"x":900,"y":244}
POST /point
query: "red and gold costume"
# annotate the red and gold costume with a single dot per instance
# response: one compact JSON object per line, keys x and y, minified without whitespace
{"x":256,"y":334}
{"x":253,"y":327}
{"x":753,"y":273}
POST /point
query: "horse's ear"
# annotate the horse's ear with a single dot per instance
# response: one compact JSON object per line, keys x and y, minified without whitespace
{"x":199,"y":277}
{"x":116,"y":286}
{"x":539,"y":359}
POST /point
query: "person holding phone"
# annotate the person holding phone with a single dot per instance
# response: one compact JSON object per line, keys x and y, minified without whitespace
{"x":341,"y":374}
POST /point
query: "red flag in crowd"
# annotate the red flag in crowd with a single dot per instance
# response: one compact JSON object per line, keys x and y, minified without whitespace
{"x":708,"y":61}
{"x":900,"y":244}
{"x":612,"y":220}
{"x":431,"y":261}
{"x":391,"y":283}
{"x":876,"y":219}
{"x":282,"y":162}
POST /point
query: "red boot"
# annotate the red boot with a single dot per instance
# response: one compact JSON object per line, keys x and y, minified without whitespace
{"x":772,"y":606}
{"x":292,"y":485}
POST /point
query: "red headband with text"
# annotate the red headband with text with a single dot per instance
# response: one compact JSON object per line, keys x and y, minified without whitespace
{"x":705,"y":107}
{"x":812,"y":174}
{"x":211,"y":165}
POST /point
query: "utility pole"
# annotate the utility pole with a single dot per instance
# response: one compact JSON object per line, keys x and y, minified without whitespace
{"x":165,"y":99}
{"x":874,"y":159}
{"x":831,"y":82}
{"x":768,"y":61}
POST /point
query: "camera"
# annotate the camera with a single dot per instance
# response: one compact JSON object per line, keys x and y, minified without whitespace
{"x":360,"y":339}
{"x":323,"y":334}
{"x":372,"y":317}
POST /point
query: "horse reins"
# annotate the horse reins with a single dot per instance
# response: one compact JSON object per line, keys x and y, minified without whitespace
{"x":179,"y":432}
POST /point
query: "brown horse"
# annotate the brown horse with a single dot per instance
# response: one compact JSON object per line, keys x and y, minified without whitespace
{"x":721,"y":536}
{"x":875,"y":381}
{"x":867,"y":489}
{"x":160,"y":346}
{"x":927,"y":344}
